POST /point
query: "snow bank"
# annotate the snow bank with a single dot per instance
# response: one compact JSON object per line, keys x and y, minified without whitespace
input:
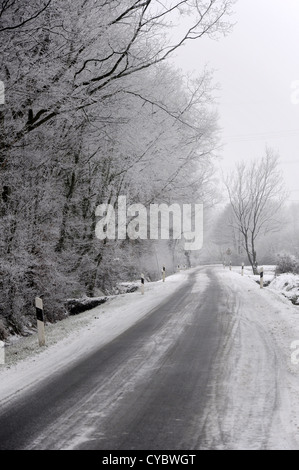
{"x":284,"y":284}
{"x":288,"y":285}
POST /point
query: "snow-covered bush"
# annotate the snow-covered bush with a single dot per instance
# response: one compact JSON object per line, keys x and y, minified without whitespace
{"x":287,"y":264}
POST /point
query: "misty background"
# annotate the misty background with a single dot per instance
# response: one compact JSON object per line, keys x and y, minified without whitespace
{"x":255,"y":66}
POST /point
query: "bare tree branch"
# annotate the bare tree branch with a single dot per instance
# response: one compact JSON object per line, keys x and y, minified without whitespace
{"x":256,"y":192}
{"x":35,"y":15}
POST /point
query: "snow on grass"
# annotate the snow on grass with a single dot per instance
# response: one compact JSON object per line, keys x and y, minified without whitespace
{"x":71,"y":339}
{"x":286,"y":284}
{"x":269,"y":272}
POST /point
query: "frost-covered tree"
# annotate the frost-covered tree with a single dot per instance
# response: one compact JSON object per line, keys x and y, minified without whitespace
{"x":93,"y":110}
{"x":256,"y":192}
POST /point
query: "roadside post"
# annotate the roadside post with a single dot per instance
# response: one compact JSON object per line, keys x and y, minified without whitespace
{"x":40,"y":321}
{"x":142,"y":284}
{"x":230,"y":265}
{"x":163,"y":273}
{"x":242,"y":269}
{"x":262,"y":278}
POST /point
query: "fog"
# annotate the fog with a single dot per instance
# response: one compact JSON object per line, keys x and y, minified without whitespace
{"x":256,"y":66}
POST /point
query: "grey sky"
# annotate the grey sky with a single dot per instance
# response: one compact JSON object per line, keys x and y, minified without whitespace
{"x":255,"y":66}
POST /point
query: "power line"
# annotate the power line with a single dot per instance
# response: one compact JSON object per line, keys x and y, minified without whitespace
{"x":262,"y":135}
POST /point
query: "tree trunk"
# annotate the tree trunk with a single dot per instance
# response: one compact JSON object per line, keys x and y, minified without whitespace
{"x":65,"y":213}
{"x":254,"y":267}
{"x":251,"y":256}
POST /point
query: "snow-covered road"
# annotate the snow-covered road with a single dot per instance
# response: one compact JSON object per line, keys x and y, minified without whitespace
{"x":202,"y":362}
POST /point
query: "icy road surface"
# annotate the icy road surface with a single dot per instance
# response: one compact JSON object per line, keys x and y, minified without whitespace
{"x":208,"y":367}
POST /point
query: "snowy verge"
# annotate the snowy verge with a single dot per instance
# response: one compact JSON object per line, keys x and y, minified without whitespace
{"x":267,"y":318}
{"x":269,"y":273}
{"x":75,"y":337}
{"x":286,"y":284}
{"x":271,"y":308}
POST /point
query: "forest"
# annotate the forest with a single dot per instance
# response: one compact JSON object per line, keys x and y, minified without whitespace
{"x":94,"y":110}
